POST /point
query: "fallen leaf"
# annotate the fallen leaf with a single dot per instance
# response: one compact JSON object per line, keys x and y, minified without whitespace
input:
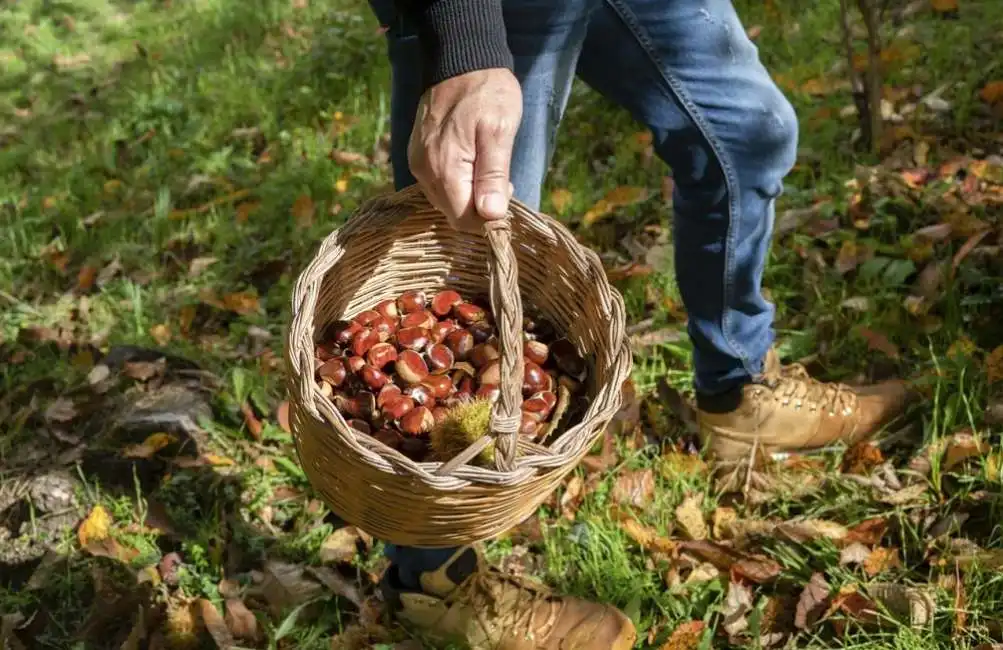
{"x":337,"y":584}
{"x":86,"y":277}
{"x":812,"y":603}
{"x":647,"y":538}
{"x":282,"y":414}
{"x":808,"y":530}
{"x":153,"y":443}
{"x":994,"y":365}
{"x":254,"y":426}
{"x":561,"y":199}
{"x":855,"y":553}
{"x":910,"y":494}
{"x":689,"y":516}
{"x":758,"y":569}
{"x":161,"y":333}
{"x":241,"y":621}
{"x":168,"y":568}
{"x":992,"y":92}
{"x":861,"y":458}
{"x":348,"y":157}
{"x":882,"y":559}
{"x":737,"y":605}
{"x":721,"y":522}
{"x":285,"y":586}
{"x":634,"y":488}
{"x":95,"y":526}
{"x":303,"y":210}
{"x":686,"y":636}
{"x":868,"y":532}
{"x":110,"y":547}
{"x":218,"y":461}
{"x":200,"y":264}
{"x":61,"y":410}
{"x":341,"y":185}
{"x":242,"y":302}
{"x":878,"y":342}
{"x":341,"y":545}
{"x":961,"y":447}
{"x":847,"y":258}
{"x":244,"y":210}
{"x":967,"y":248}
{"x":214,"y":623}
{"x":617,"y":198}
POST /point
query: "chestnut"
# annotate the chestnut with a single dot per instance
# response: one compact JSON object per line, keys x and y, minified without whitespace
{"x":468,"y":313}
{"x":529,"y":426}
{"x":387,"y":393}
{"x":536,"y":351}
{"x":488,"y":391}
{"x":421,"y":395}
{"x":325,"y":351}
{"x":333,"y":372}
{"x":411,"y":367}
{"x":363,"y":340}
{"x":381,"y":354}
{"x":385,"y":327}
{"x":354,"y":364}
{"x":465,"y":387}
{"x":567,"y":359}
{"x":444,"y":301}
{"x":418,"y":421}
{"x":460,"y":342}
{"x":442,"y":329}
{"x":440,"y":386}
{"x":394,"y":408}
{"x":366,"y":318}
{"x":481,"y":331}
{"x":388,"y":309}
{"x":344,"y":332}
{"x":534,"y":379}
{"x":461,"y":368}
{"x":326,"y":390}
{"x":411,"y":301}
{"x":424,"y":319}
{"x":413,"y":338}
{"x":490,"y":373}
{"x":359,"y":406}
{"x":439,"y":359}
{"x":360,"y":425}
{"x":389,"y":437}
{"x":540,"y":405}
{"x":484,"y":353}
{"x":374,"y":378}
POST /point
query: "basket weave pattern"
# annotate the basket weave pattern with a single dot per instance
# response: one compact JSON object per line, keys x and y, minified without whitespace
{"x":398,"y":243}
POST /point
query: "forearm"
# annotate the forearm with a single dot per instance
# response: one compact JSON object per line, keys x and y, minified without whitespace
{"x":458,"y":36}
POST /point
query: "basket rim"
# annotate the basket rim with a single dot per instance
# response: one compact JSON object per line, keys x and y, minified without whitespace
{"x":566,"y":449}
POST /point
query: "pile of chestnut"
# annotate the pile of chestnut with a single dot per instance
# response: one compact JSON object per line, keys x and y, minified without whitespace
{"x":395,"y":370}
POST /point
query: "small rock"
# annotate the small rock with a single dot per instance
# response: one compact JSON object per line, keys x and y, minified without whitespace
{"x":53,"y":493}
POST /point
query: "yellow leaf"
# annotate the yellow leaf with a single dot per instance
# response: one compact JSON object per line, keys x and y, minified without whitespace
{"x":153,"y":443}
{"x":95,"y":527}
{"x":112,"y":186}
{"x":161,"y":333}
{"x":561,"y":198}
{"x":689,"y":516}
{"x":686,"y":637}
{"x":241,"y":302}
{"x":882,"y":559}
{"x":218,"y":461}
{"x":992,"y":92}
{"x":944,"y":6}
{"x":245,"y":209}
{"x":302,"y":211}
{"x":341,"y":185}
{"x":618,"y":197}
{"x":994,"y":365}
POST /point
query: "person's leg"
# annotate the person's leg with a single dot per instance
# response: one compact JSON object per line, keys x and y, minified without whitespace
{"x":730,"y":137}
{"x":545,"y":38}
{"x":687,"y":69}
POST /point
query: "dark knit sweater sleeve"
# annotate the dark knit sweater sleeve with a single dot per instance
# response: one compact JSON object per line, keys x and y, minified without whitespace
{"x":458,"y":36}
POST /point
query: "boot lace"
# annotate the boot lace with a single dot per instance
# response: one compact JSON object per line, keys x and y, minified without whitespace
{"x":793,"y":387}
{"x":490,"y":596}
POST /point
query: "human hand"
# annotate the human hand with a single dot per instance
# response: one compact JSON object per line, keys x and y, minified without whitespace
{"x":461,"y":146}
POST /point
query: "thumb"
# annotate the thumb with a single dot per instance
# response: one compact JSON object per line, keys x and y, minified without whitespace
{"x":492,"y":188}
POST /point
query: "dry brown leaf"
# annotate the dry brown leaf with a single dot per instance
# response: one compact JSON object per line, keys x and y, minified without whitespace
{"x":861,"y":458}
{"x":721,"y":522}
{"x":634,"y":488}
{"x":246,"y":209}
{"x":285,"y":585}
{"x":994,"y":365}
{"x":561,"y":199}
{"x":867,"y":532}
{"x":254,"y":426}
{"x":571,"y":498}
{"x":737,"y":605}
{"x":86,"y":277}
{"x":241,"y":621}
{"x":855,"y":553}
{"x":878,"y":342}
{"x":153,"y":443}
{"x":616,"y":198}
{"x":342,"y":545}
{"x":215,"y":624}
{"x":168,"y":568}
{"x":242,"y":302}
{"x":961,"y":447}
{"x":61,"y":410}
{"x":110,"y":547}
{"x":302,"y":211}
{"x":992,"y":92}
{"x":337,"y":584}
{"x":348,"y":157}
{"x":909,"y":494}
{"x":95,"y":527}
{"x":648,"y":538}
{"x":282,"y":414}
{"x":811,"y":529}
{"x":812,"y":603}
{"x":161,"y":333}
{"x":882,"y":559}
{"x":758,"y":569}
{"x":689,"y":516}
{"x":686,"y":636}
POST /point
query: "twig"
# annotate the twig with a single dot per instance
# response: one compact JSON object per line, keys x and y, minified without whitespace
{"x":869,"y":10}
{"x":856,"y":84}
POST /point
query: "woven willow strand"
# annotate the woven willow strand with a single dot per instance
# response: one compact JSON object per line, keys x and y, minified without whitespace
{"x":398,"y":242}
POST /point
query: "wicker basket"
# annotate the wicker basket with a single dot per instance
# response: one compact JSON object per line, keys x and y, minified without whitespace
{"x":398,"y":243}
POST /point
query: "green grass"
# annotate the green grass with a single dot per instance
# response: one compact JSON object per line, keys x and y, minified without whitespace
{"x":190,"y":129}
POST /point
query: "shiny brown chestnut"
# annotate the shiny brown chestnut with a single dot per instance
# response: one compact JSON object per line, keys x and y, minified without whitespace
{"x":439,"y":359}
{"x":418,"y":421}
{"x":444,"y":301}
{"x":411,"y":301}
{"x":333,"y":372}
{"x":411,"y":367}
{"x":381,"y":354}
{"x":413,"y":338}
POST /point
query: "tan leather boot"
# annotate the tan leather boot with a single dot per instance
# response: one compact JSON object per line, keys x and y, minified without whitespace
{"x":488,"y":610}
{"x":787,"y":410}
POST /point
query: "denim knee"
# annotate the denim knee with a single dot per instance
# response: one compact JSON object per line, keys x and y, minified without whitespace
{"x":770,"y":135}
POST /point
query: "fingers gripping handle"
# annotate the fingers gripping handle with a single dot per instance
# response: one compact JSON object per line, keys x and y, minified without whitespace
{"x":506,"y":304}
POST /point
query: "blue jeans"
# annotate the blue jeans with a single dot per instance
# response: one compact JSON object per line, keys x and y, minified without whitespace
{"x":687,"y":70}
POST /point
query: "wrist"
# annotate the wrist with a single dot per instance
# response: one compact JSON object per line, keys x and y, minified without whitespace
{"x":460,"y":36}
